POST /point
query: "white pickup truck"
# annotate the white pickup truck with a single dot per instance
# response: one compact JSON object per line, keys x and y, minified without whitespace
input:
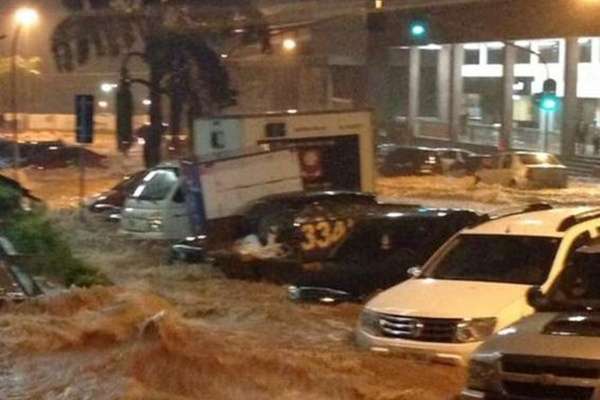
{"x":175,"y":200}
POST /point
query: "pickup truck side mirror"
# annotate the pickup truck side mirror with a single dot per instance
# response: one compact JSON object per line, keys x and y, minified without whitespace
{"x":536,"y":298}
{"x":415,"y":272}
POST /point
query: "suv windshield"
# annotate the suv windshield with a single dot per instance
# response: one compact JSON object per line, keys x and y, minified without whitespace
{"x":538,"y":158}
{"x":156,"y":185}
{"x":524,"y":260}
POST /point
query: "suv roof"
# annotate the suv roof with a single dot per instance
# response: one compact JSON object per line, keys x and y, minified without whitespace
{"x":548,"y":223}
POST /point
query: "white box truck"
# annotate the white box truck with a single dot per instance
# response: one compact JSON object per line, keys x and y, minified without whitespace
{"x":336,"y":148}
{"x":176,"y":200}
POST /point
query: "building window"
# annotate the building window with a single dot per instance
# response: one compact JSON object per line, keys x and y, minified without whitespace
{"x":495,"y":53}
{"x":472,"y":56}
{"x":585,"y":50}
{"x":549,"y":51}
{"x":523,"y":52}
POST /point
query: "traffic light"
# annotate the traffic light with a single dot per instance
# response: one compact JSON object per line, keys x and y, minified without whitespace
{"x":548,"y":100}
{"x":124,"y":104}
{"x":418,"y":30}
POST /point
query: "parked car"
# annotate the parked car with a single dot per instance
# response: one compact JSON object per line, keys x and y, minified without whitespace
{"x":346,"y":255}
{"x":554,"y":353}
{"x":456,"y":161}
{"x":111,"y":201}
{"x":406,"y":160}
{"x":476,"y":284}
{"x":524,"y":170}
{"x":381,"y":248}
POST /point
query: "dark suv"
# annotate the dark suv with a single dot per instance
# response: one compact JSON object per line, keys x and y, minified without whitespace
{"x":406,"y":160}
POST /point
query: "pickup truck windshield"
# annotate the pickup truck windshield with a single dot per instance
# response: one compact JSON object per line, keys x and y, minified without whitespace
{"x":524,"y":260}
{"x":156,"y":185}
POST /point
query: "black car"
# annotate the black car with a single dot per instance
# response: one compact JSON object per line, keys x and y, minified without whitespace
{"x":407,"y":160}
{"x":381,"y":249}
{"x":111,"y":201}
{"x":351,"y":249}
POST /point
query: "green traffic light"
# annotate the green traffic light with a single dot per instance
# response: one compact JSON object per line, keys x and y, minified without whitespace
{"x":418,"y":29}
{"x":549,"y":103}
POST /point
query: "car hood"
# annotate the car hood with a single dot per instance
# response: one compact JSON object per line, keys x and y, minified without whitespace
{"x":431,"y":298}
{"x":532,"y":337}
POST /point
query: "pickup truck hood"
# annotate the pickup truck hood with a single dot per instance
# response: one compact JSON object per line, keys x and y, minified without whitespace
{"x":532,"y":337}
{"x":431,"y":298}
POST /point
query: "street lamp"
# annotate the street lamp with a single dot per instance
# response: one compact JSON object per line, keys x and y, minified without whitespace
{"x":289,"y":44}
{"x":24,"y":18}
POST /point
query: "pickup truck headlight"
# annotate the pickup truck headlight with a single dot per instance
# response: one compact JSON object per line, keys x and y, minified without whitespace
{"x":482,"y":375}
{"x":475,"y":330}
{"x":369,"y":322}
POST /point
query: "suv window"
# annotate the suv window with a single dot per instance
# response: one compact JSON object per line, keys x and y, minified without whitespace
{"x":522,"y":260}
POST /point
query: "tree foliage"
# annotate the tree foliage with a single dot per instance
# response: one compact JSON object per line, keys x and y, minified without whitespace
{"x":178,"y":39}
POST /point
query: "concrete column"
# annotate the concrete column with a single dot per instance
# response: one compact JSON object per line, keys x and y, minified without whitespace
{"x":376,"y":65}
{"x":456,"y":92}
{"x":508,"y":81}
{"x":413,"y":89}
{"x":569,"y":106}
{"x":444,"y":72}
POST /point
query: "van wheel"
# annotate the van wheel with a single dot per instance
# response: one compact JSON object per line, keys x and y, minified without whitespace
{"x":512,"y":184}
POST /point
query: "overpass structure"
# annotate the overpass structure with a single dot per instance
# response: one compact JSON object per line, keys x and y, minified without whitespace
{"x":475,"y":79}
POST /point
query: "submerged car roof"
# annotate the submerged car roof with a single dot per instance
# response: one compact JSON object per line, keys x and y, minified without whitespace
{"x":393,"y":211}
{"x":548,"y":223}
{"x":316,"y":195}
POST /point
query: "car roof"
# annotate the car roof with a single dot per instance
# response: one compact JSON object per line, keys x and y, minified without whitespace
{"x":398,"y":211}
{"x":546,"y":223}
{"x":316,"y":195}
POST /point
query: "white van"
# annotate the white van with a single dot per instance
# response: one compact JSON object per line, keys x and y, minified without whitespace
{"x":475,"y":285}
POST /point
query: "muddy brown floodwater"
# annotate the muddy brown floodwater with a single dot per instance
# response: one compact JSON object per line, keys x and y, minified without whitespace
{"x":185,"y":332}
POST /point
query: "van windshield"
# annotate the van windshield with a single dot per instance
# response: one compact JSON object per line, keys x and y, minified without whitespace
{"x":524,"y":260}
{"x":156,"y":185}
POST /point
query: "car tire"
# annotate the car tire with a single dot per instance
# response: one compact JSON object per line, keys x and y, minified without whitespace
{"x":512,"y":184}
{"x":477,"y":179}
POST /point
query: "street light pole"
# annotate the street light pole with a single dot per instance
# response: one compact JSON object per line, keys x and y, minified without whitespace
{"x":13,"y":100}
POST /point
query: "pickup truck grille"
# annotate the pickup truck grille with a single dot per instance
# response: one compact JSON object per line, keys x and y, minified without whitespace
{"x":421,"y":329}
{"x":561,"y":367}
{"x":535,"y":391}
{"x":548,"y":378}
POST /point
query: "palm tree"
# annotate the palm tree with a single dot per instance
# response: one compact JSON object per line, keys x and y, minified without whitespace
{"x":178,"y":39}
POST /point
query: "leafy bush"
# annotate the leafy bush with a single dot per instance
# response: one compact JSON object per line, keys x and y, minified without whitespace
{"x":46,"y":251}
{"x":10,"y":199}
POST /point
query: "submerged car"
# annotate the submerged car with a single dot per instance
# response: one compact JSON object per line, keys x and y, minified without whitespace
{"x":523,"y":170}
{"x":475,"y":285}
{"x":345,"y":247}
{"x":380,"y":249}
{"x":553,"y":354}
{"x":111,"y":201}
{"x":456,"y":161}
{"x":407,"y":160}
